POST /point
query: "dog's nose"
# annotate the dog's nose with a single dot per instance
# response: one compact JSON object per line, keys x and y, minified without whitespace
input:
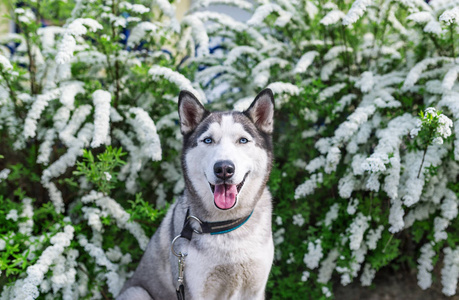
{"x":224,"y":169}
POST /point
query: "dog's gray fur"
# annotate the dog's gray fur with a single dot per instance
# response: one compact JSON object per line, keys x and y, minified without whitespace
{"x":233,"y":265}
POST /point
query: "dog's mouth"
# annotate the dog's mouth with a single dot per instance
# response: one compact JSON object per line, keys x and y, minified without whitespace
{"x":225,"y":195}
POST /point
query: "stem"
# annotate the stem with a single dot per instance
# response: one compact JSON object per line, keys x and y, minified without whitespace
{"x":38,"y":20}
{"x":346,"y":54}
{"x":387,"y":244}
{"x":452,"y":40}
{"x":422,"y":162}
{"x":32,"y":67}
{"x":384,"y":30}
{"x":117,"y":66}
{"x":10,"y":88}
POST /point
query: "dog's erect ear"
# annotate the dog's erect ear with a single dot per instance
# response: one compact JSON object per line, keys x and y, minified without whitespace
{"x":261,"y":111}
{"x":191,"y":112}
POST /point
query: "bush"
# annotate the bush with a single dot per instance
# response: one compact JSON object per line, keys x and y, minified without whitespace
{"x":366,"y":153}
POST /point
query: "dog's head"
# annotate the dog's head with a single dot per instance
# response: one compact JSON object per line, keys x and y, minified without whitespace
{"x":227,"y":156}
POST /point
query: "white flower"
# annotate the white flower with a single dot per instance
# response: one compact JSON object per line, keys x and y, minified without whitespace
{"x":373,"y":236}
{"x":450,"y":78}
{"x":305,"y":276}
{"x":368,"y":275}
{"x":298,"y":220}
{"x":327,"y":266}
{"x":101,"y":118}
{"x":291,"y":259}
{"x":366,"y":82}
{"x":278,"y":236}
{"x":115,"y":210}
{"x":376,"y":163}
{"x":433,"y":27}
{"x":5,"y":64}
{"x":335,"y":51}
{"x":12,"y":215}
{"x":314,"y":255}
{"x":438,"y":141}
{"x":26,"y":227}
{"x":307,"y":188}
{"x":35,"y":273}
{"x":346,"y":185}
{"x":450,"y":16}
{"x":284,"y":87}
{"x":416,"y":72}
{"x":305,"y":61}
{"x":4,"y":174}
{"x":146,"y":133}
{"x":425,"y":266}
{"x":45,"y":149}
{"x":41,"y":101}
{"x":329,"y":69}
{"x":181,"y":81}
{"x":199,"y":33}
{"x":440,"y":224}
{"x":332,"y":160}
{"x":330,"y":91}
{"x":140,"y":31}
{"x":68,"y":92}
{"x":326,"y":292}
{"x":332,"y":17}
{"x":66,"y":48}
{"x":450,"y":271}
{"x":238,"y":51}
{"x":93,"y":215}
{"x":445,"y":125}
{"x":78,"y":117}
{"x":396,"y":216}
{"x":315,"y":164}
{"x":68,"y":159}
{"x":68,"y":42}
{"x":357,"y":10}
{"x":352,"y":206}
{"x":108,"y":177}
{"x":449,"y":206}
{"x":420,"y":17}
{"x":357,"y":229}
{"x":415,"y":131}
{"x":25,"y":15}
{"x":56,"y":197}
{"x":61,"y":117}
{"x":169,"y":10}
{"x":262,"y":12}
{"x":136,"y":8}
{"x":331,"y":215}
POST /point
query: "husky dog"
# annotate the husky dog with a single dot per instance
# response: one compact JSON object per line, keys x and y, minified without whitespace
{"x":226,"y":161}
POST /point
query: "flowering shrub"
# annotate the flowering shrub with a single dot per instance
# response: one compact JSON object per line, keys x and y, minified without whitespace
{"x":81,"y":105}
{"x":350,"y":79}
{"x":366,"y":133}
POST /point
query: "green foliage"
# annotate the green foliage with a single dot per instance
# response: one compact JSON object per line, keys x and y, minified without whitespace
{"x":100,"y":172}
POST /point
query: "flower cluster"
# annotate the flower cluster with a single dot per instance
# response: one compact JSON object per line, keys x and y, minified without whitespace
{"x":437,"y":124}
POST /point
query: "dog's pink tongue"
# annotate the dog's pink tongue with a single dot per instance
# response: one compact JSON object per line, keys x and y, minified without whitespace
{"x":225,"y":195}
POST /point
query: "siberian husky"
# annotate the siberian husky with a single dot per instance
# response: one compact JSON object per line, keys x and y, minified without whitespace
{"x":221,"y":227}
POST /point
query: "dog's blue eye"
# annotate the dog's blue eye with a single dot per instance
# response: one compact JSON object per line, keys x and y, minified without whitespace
{"x":243,"y":140}
{"x":207,"y":141}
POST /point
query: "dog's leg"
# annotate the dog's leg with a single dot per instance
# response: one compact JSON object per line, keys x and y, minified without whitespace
{"x":134,"y":293}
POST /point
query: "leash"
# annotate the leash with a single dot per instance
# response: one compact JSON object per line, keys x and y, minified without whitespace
{"x":212,"y":228}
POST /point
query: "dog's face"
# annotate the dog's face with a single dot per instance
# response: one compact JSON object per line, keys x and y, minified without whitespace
{"x":227,"y":156}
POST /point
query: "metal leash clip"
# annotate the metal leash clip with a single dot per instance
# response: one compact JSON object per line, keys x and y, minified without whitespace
{"x":180,"y":289}
{"x":181,"y":265}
